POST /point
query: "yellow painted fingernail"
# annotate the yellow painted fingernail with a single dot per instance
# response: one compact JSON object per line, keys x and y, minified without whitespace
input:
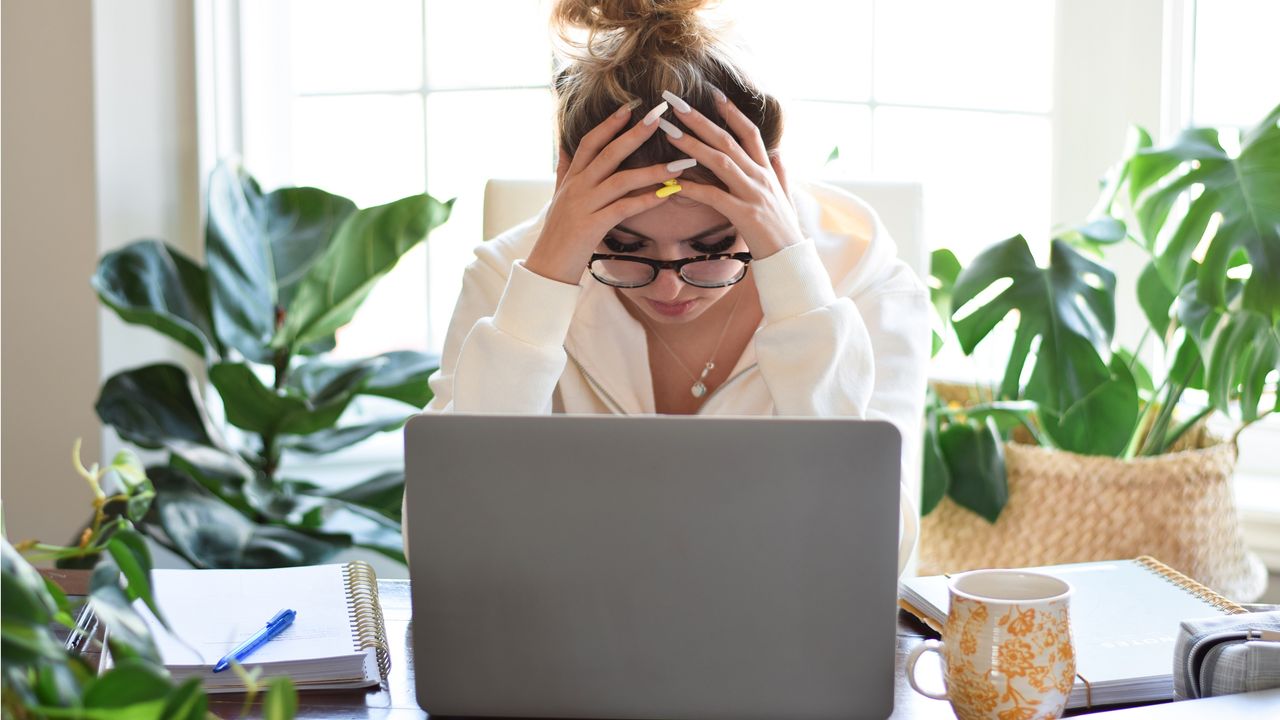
{"x":669,"y":187}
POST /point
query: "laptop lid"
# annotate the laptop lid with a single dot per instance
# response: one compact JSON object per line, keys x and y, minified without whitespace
{"x":653,"y":567}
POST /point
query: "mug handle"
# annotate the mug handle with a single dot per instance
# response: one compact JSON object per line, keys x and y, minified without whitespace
{"x":913,"y":656}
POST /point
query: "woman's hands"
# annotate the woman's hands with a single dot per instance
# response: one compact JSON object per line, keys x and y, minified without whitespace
{"x":757,"y":203}
{"x":590,"y":198}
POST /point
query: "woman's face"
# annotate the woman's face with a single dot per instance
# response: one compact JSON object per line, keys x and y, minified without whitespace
{"x":678,"y":228}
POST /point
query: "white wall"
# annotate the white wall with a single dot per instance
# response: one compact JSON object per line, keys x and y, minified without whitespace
{"x":100,"y":131}
{"x":49,"y":352}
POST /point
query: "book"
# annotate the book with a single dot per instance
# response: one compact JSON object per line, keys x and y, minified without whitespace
{"x":337,"y":640}
{"x":1124,"y":621}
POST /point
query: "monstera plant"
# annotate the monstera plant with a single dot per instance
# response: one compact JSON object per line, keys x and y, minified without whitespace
{"x":1208,"y":221}
{"x":283,"y":271}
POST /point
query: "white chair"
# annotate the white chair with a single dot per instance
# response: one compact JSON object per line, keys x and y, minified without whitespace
{"x":899,"y":204}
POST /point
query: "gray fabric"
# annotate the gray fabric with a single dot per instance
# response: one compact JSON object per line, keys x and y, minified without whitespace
{"x":1212,"y":656}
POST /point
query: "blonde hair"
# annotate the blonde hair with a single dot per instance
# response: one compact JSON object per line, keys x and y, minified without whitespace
{"x":614,"y":51}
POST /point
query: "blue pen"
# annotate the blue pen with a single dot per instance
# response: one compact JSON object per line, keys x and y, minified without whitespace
{"x":274,"y":627}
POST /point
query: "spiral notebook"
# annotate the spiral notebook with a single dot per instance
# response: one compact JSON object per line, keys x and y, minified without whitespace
{"x":1124,"y":620}
{"x":337,"y":640}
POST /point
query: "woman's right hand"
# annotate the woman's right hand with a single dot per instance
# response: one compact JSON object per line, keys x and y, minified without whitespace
{"x":590,"y":198}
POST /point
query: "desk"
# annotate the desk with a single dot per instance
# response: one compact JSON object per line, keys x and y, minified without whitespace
{"x":396,"y":700}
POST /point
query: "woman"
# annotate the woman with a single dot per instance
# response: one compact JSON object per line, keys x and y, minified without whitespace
{"x":725,"y":292}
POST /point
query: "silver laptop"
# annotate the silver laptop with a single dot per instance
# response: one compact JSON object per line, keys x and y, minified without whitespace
{"x":652,"y":567}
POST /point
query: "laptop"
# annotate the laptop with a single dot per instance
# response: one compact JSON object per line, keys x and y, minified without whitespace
{"x":652,"y":567}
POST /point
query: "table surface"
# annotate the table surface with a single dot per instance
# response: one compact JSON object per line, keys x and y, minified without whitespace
{"x":395,"y":699}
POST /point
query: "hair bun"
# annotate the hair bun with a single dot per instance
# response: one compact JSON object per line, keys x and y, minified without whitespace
{"x":619,"y":29}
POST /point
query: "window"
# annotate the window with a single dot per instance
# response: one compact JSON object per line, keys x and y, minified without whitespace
{"x":385,"y":99}
{"x":1230,"y":77}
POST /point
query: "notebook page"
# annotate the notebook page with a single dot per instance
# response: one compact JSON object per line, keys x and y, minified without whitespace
{"x":213,"y":611}
{"x":1124,"y":617}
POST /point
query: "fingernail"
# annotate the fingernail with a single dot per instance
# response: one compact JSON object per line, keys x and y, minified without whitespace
{"x":626,"y":109}
{"x":683,"y":164}
{"x":680,"y":105}
{"x":670,"y":129}
{"x":717,"y":92}
{"x":657,"y":110}
{"x":669,"y":187}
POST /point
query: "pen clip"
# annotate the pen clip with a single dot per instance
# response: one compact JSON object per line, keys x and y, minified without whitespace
{"x":281,"y":618}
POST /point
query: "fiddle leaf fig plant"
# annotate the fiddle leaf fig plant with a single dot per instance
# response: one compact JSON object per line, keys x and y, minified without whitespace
{"x":1208,"y":220}
{"x":283,"y":271}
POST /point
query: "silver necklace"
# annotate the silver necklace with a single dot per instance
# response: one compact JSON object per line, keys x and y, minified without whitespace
{"x":699,"y":382}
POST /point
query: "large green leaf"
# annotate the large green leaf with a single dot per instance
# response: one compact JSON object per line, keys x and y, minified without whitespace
{"x":1156,"y":300}
{"x":383,"y":493}
{"x":365,"y":527}
{"x":259,"y":247}
{"x":332,"y":439}
{"x":257,"y":408}
{"x":210,"y":533}
{"x":1244,"y":190}
{"x":365,"y":247}
{"x":1099,"y":423}
{"x":398,"y":375}
{"x":149,"y":283}
{"x":1245,"y":351}
{"x":936,"y":476}
{"x":975,"y":458}
{"x":1069,"y":305}
{"x":156,"y":406}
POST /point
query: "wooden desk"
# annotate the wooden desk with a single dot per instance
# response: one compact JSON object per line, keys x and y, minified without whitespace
{"x":396,"y":698}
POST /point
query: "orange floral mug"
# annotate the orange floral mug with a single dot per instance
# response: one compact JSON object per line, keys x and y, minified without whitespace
{"x":1006,"y":651}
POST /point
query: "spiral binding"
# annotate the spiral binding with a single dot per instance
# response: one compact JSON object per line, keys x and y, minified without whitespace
{"x":365,"y":612}
{"x":1190,"y":585}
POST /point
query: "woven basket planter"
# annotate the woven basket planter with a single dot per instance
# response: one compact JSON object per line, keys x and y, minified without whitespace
{"x":1179,"y":508}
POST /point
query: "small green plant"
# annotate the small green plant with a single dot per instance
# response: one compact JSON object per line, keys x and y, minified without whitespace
{"x":283,"y":271}
{"x":1208,"y":221}
{"x":41,"y":677}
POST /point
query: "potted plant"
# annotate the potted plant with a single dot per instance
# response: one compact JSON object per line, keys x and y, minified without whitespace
{"x":1080,"y":452}
{"x":42,"y":678}
{"x":283,"y":271}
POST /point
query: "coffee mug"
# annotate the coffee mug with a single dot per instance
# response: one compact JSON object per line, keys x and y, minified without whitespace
{"x":1006,"y":650}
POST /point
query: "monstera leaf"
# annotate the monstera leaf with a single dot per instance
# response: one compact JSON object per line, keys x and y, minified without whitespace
{"x":260,"y":246}
{"x":1069,"y":305}
{"x":1243,"y":191}
{"x":365,"y":247}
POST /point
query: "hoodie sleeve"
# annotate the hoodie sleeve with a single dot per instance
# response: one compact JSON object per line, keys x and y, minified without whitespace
{"x":864,"y":356}
{"x":504,"y":352}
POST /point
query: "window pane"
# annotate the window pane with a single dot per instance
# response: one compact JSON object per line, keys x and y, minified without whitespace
{"x":339,"y":45}
{"x":369,"y":148}
{"x":366,"y":147}
{"x":985,"y":175}
{"x":1237,"y":69}
{"x":471,"y":137}
{"x":816,"y":49}
{"x":813,"y":129}
{"x":990,"y":54}
{"x":497,"y":43}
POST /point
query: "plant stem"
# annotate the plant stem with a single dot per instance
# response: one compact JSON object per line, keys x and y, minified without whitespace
{"x":1160,"y":426}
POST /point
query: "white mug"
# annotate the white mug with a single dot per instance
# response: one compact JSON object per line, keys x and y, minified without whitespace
{"x":1006,"y":651}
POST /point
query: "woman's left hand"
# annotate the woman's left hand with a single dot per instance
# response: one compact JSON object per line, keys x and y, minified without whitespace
{"x":757,"y":203}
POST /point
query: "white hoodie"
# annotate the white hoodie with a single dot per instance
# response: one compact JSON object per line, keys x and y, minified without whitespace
{"x":845,"y":334}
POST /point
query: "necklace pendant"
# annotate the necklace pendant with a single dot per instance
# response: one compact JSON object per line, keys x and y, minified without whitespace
{"x":698,"y":389}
